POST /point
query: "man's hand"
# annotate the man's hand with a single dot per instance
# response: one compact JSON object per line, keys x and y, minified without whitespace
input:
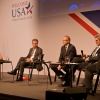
{"x":95,"y":62}
{"x":84,"y":55}
{"x":27,"y":60}
{"x":59,"y":67}
{"x":1,"y":57}
{"x":86,"y":59}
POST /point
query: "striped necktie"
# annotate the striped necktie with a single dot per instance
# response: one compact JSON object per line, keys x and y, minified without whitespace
{"x":94,"y":52}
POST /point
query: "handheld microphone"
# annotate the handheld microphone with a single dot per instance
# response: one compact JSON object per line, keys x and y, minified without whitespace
{"x":82,"y":52}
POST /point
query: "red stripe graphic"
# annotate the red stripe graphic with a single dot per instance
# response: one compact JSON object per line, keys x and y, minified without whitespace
{"x":84,"y":24}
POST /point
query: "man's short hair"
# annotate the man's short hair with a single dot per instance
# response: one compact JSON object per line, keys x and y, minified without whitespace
{"x":67,"y":37}
{"x":97,"y":36}
{"x":35,"y":40}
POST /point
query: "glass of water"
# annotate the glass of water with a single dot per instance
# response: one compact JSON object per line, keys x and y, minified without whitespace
{"x":67,"y":60}
{"x":7,"y":58}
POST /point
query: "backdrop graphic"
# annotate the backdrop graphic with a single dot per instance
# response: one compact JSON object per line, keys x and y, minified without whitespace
{"x":20,"y":22}
{"x":84,"y":24}
{"x":60,"y":7}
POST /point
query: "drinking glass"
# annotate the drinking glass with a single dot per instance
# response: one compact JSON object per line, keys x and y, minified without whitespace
{"x":67,"y":60}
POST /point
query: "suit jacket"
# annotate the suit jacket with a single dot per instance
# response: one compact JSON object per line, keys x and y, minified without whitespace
{"x":38,"y":53}
{"x":71,"y":53}
{"x":97,"y":65}
{"x":96,"y":58}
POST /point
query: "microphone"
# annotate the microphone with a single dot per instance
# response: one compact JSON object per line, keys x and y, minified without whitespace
{"x":82,"y":52}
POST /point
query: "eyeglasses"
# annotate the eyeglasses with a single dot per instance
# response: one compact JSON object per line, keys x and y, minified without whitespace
{"x":65,"y":40}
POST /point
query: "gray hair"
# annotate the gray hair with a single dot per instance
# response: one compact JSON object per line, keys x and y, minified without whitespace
{"x":97,"y":36}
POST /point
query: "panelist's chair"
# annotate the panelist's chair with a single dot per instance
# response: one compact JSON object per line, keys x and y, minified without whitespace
{"x":31,"y":67}
{"x":96,"y":82}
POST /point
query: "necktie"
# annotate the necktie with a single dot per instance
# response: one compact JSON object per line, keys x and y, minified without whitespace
{"x":32,"y":53}
{"x":65,"y":53}
{"x":94,"y":52}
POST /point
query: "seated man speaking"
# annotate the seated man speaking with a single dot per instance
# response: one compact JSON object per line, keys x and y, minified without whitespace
{"x":94,"y":57}
{"x":67,"y":50}
{"x":34,"y":53}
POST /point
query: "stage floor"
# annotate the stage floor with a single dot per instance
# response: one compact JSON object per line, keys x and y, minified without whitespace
{"x":35,"y":90}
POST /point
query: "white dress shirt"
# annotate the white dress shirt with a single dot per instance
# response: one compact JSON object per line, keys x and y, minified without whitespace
{"x":34,"y":50}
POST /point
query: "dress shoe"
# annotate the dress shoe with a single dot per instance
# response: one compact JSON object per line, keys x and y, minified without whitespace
{"x":61,"y":76}
{"x":63,"y":84}
{"x":20,"y":79}
{"x":89,"y":91}
{"x":83,"y":85}
{"x":12,"y":72}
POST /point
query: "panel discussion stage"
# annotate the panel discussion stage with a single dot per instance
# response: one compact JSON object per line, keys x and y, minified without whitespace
{"x":35,"y":90}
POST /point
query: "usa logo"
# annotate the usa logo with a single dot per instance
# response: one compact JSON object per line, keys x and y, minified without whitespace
{"x":21,"y":9}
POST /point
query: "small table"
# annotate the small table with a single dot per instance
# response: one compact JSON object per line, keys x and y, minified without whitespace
{"x":71,"y":72}
{"x":1,"y":63}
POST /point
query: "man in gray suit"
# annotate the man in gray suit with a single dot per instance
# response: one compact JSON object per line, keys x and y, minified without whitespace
{"x":34,"y":54}
{"x":92,"y":68}
{"x":89,"y":70}
{"x":94,"y":57}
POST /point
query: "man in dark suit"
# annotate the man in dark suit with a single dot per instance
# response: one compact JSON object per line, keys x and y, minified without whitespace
{"x":92,"y":68}
{"x":95,"y":56}
{"x":67,"y":50}
{"x":34,"y":54}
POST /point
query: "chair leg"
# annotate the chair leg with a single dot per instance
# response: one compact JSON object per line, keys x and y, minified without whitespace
{"x":2,"y":72}
{"x":38,"y":76}
{"x":31,"y":74}
{"x":55,"y":78}
{"x":78,"y":78}
{"x":96,"y":83}
{"x":44,"y":72}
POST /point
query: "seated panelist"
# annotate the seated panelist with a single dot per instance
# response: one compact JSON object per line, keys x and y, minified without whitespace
{"x":87,"y":60}
{"x":34,"y":53}
{"x":67,"y":50}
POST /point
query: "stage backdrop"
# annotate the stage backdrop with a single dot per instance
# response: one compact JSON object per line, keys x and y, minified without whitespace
{"x":23,"y":20}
